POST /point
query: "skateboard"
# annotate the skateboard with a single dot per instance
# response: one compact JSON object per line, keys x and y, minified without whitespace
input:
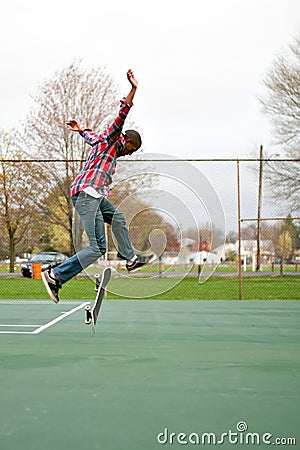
{"x":92,"y":314}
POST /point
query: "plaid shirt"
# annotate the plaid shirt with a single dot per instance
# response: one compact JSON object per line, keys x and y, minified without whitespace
{"x":101,"y":161}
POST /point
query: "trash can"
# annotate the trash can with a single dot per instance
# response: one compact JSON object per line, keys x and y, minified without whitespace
{"x":37,"y":271}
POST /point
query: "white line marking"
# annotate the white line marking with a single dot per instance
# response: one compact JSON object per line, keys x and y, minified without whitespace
{"x":16,"y":332}
{"x":21,"y":326}
{"x":27,"y":302}
{"x":59,"y":318}
{"x":35,"y":302}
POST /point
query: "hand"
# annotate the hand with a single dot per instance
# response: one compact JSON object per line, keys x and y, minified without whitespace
{"x":73,"y":125}
{"x":131,"y":78}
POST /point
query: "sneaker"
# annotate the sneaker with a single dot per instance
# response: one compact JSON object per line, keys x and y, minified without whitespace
{"x":139,"y":262}
{"x":52,"y":285}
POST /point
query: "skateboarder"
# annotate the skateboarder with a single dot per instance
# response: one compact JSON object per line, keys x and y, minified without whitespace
{"x":88,"y":195}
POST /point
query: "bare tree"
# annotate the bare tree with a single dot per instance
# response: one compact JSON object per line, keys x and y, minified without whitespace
{"x":90,"y":97}
{"x":282,"y":104}
{"x":18,"y":189}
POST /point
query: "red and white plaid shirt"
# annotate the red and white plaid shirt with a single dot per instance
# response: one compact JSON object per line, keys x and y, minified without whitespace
{"x":101,"y":161}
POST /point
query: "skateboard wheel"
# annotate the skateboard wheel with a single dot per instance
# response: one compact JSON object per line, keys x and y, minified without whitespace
{"x":87,"y":321}
{"x":87,"y":308}
{"x":97,"y":275}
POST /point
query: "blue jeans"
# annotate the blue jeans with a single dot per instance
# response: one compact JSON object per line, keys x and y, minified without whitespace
{"x":94,"y":213}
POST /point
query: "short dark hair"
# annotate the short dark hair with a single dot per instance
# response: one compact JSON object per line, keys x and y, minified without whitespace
{"x":134,"y":137}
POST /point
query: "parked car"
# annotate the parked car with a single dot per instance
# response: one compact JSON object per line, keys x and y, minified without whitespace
{"x":47,"y":259}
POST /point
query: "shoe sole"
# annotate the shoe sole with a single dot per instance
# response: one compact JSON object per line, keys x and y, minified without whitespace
{"x":51,"y":295}
{"x":153,"y":258}
{"x":136,"y":269}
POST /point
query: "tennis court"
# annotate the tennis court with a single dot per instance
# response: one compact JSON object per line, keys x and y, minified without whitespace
{"x":153,"y":370}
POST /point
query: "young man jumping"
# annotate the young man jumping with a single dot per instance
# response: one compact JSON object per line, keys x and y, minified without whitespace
{"x":88,"y":195}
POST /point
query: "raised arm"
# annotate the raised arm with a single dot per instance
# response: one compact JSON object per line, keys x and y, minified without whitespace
{"x":134,"y":84}
{"x":115,"y":129}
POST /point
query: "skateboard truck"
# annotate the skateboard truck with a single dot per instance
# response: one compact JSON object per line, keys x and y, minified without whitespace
{"x":97,"y":277}
{"x":88,"y":315}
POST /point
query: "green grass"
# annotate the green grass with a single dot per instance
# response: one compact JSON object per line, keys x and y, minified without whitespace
{"x":221,"y":268}
{"x":256,"y":288}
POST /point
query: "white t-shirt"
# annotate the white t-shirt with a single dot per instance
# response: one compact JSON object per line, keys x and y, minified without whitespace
{"x":92,"y":192}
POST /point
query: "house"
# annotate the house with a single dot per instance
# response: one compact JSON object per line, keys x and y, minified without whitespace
{"x":249,"y":250}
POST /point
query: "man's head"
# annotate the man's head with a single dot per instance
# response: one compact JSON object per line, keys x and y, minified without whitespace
{"x":133,"y":141}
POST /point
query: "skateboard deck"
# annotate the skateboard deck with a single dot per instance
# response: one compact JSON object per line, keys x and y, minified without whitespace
{"x":92,"y":314}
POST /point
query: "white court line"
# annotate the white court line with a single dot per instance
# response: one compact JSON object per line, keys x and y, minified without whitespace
{"x":15,"y":332}
{"x":20,"y":325}
{"x":42,"y":327}
{"x":59,"y":318}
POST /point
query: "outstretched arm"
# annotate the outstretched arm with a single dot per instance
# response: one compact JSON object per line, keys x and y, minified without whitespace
{"x":73,"y":125}
{"x":86,"y":133}
{"x":134,"y":84}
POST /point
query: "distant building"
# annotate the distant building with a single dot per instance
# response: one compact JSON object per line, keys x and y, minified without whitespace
{"x":204,"y":257}
{"x":249,"y":250}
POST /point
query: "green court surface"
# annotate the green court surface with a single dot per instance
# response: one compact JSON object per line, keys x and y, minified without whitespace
{"x":153,"y":370}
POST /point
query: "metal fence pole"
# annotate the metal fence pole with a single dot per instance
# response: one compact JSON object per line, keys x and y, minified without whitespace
{"x":259,"y":209}
{"x":239,"y":259}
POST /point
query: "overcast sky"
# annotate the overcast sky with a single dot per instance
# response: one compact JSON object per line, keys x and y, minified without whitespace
{"x":199,"y":63}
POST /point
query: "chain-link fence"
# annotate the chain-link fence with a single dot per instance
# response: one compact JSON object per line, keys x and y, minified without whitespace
{"x":220,"y":229}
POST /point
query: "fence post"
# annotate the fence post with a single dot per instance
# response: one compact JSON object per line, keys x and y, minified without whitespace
{"x":239,"y":232}
{"x":259,"y":209}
